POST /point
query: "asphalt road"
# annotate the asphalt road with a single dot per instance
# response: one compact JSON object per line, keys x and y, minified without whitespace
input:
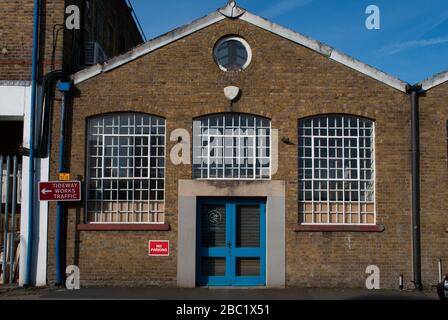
{"x":153,"y":293}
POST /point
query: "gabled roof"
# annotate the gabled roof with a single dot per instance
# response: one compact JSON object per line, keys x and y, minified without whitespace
{"x":232,"y":11}
{"x":434,"y":81}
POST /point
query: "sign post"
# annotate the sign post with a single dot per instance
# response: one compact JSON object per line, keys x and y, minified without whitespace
{"x":60,"y":191}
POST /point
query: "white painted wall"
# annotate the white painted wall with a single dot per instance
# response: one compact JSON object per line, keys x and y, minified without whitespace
{"x":39,"y":263}
{"x":13,"y":101}
{"x":40,"y":231}
{"x":15,"y":105}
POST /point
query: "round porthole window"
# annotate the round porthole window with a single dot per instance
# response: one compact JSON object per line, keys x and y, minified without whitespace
{"x":232,"y":54}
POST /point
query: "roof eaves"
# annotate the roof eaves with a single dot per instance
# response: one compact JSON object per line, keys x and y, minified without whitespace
{"x":325,"y":50}
{"x":235,"y":12}
{"x":434,"y":81}
{"x":286,"y":33}
{"x":368,"y":70}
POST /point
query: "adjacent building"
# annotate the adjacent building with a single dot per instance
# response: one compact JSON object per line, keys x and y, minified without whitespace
{"x":107,"y":28}
{"x":434,"y":174}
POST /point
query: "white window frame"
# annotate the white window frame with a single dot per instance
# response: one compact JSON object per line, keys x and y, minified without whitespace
{"x":153,"y":208}
{"x":240,"y":40}
{"x":362,"y":215}
{"x":256,"y":148}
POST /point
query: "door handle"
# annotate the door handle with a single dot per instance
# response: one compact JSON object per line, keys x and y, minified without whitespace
{"x":229,"y":244}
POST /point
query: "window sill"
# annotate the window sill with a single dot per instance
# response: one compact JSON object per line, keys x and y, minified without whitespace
{"x":338,"y":228}
{"x":123,"y":227}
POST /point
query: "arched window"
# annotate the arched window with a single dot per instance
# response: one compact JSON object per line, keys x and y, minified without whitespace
{"x":336,"y":170}
{"x":126,"y":169}
{"x":232,"y":146}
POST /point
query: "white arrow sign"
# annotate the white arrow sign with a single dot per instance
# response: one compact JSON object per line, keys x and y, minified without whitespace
{"x":60,"y":191}
{"x":45,"y":191}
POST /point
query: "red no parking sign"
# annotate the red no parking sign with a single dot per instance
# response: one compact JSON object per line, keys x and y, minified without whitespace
{"x":159,"y":248}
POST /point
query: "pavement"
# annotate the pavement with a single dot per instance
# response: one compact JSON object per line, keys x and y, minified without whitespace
{"x":156,"y":293}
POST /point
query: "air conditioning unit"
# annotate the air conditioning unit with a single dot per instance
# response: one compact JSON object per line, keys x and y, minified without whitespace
{"x":94,"y":53}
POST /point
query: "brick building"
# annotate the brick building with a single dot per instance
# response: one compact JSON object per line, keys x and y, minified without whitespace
{"x":107,"y":28}
{"x":264,"y":158}
{"x":434,"y":173}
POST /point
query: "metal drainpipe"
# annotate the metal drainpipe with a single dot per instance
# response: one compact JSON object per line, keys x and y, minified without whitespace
{"x":35,"y":53}
{"x":414,"y":92}
{"x":64,"y":88}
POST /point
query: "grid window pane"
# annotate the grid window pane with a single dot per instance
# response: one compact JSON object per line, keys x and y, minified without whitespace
{"x":231,"y":54}
{"x":336,"y":170}
{"x":126,"y":169}
{"x":232,"y":146}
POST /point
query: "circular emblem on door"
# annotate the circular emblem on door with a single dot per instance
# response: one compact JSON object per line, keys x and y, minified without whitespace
{"x":214,"y":217}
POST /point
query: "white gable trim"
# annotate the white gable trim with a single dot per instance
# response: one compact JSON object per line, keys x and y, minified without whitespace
{"x":368,"y":70}
{"x":235,"y":12}
{"x":434,"y":81}
{"x":286,"y":33}
{"x":147,"y":47}
{"x":325,"y":50}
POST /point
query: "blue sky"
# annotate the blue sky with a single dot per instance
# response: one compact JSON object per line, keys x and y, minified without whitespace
{"x":412,"y":43}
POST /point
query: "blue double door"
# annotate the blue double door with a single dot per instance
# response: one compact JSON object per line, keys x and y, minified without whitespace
{"x":231,"y":242}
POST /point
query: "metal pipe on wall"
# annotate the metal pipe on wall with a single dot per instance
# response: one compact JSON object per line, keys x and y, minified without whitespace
{"x":1,"y":193}
{"x":5,"y":221}
{"x":35,"y":53}
{"x":64,"y":87}
{"x":43,"y":146}
{"x":414,"y":92}
{"x":60,"y":208}
{"x":13,"y":212}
